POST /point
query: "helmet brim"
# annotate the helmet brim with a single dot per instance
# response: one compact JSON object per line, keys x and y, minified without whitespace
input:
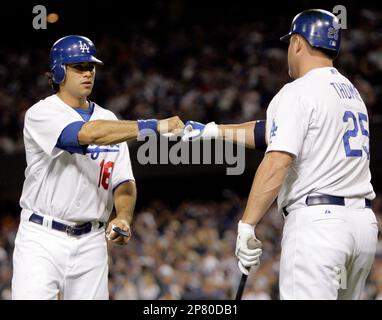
{"x":286,"y":37}
{"x":80,"y":59}
{"x":97,"y":61}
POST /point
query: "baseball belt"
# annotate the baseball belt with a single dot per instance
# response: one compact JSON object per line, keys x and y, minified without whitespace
{"x":326,"y":199}
{"x":75,"y":230}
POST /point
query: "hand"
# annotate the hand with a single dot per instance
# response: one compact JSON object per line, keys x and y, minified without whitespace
{"x":170,"y":126}
{"x":196,"y":130}
{"x":113,"y":236}
{"x":248,"y":247}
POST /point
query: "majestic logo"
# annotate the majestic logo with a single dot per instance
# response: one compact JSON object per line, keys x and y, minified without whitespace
{"x":84,"y":46}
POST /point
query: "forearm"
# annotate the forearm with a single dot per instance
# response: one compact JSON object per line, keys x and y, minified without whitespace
{"x":125,"y":197}
{"x":243,"y":133}
{"x":266,"y":185}
{"x":107,"y":132}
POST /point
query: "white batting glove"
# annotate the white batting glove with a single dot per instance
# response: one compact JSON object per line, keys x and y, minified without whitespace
{"x":194,"y":130}
{"x":247,"y":257}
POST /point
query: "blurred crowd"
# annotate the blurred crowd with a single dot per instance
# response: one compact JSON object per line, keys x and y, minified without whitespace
{"x":187,"y":252}
{"x":223,"y":73}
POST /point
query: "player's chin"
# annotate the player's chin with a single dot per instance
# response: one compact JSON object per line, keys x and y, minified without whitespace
{"x":86,"y":88}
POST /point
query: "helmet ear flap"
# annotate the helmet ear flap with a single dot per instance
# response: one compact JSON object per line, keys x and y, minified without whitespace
{"x":58,"y":73}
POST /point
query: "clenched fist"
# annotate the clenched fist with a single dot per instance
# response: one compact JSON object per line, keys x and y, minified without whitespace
{"x":248,"y":247}
{"x":116,"y":237}
{"x":171,"y":125}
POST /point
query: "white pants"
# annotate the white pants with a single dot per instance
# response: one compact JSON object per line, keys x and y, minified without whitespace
{"x":49,"y":264}
{"x":319,"y":239}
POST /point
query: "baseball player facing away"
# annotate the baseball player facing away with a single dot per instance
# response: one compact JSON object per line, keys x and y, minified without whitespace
{"x":78,"y":167}
{"x":317,"y":164}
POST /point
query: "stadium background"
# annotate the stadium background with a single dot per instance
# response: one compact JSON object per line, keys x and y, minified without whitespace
{"x":217,"y":61}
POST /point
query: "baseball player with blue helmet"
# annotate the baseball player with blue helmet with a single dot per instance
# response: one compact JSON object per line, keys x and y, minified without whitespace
{"x":78,"y":169}
{"x":317,"y":166}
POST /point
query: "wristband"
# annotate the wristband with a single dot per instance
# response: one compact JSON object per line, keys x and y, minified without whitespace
{"x":260,"y":143}
{"x":146,"y":127}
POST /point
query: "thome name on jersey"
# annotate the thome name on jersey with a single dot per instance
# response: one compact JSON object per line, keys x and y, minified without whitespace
{"x":63,"y":178}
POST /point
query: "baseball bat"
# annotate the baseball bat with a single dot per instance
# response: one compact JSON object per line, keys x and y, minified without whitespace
{"x":252,"y":244}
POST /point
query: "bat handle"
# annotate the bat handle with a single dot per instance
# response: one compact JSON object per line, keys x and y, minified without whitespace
{"x":240,"y":290}
{"x":252,"y":244}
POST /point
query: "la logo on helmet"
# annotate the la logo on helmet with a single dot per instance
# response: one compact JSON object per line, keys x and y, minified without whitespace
{"x":83,"y":47}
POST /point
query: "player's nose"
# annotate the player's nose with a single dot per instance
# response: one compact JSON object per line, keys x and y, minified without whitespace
{"x":87,"y":76}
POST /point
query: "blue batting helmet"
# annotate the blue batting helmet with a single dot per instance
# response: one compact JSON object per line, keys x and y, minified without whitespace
{"x":68,"y":50}
{"x":319,"y":27}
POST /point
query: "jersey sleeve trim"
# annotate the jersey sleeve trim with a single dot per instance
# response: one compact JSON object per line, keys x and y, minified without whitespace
{"x":275,"y":147}
{"x":68,"y":139}
{"x":122,"y":182}
{"x":282,"y":149}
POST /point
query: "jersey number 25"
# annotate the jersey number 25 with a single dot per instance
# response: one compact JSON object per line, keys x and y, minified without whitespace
{"x":349,"y":116}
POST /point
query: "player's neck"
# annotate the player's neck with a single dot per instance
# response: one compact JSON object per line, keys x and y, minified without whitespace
{"x":318,"y":62}
{"x":72,"y":101}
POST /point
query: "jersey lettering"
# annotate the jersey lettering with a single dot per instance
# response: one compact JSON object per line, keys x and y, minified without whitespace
{"x":95,"y":150}
{"x":346,"y":90}
{"x":348,"y":115}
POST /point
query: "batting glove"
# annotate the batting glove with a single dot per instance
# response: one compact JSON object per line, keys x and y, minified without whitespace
{"x":248,"y":257}
{"x":194,"y":130}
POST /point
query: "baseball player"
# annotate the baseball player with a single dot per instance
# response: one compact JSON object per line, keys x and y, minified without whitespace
{"x":78,"y":167}
{"x":317,"y":164}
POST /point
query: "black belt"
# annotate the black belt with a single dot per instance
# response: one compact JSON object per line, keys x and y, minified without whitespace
{"x":326,"y":199}
{"x":76,"y":230}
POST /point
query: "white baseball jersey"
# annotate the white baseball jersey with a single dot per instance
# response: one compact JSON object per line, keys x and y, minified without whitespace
{"x":73,"y":187}
{"x":321,"y":119}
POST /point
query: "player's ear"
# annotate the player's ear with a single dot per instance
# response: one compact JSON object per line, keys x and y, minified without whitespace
{"x":293,"y":43}
{"x":299,"y":44}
